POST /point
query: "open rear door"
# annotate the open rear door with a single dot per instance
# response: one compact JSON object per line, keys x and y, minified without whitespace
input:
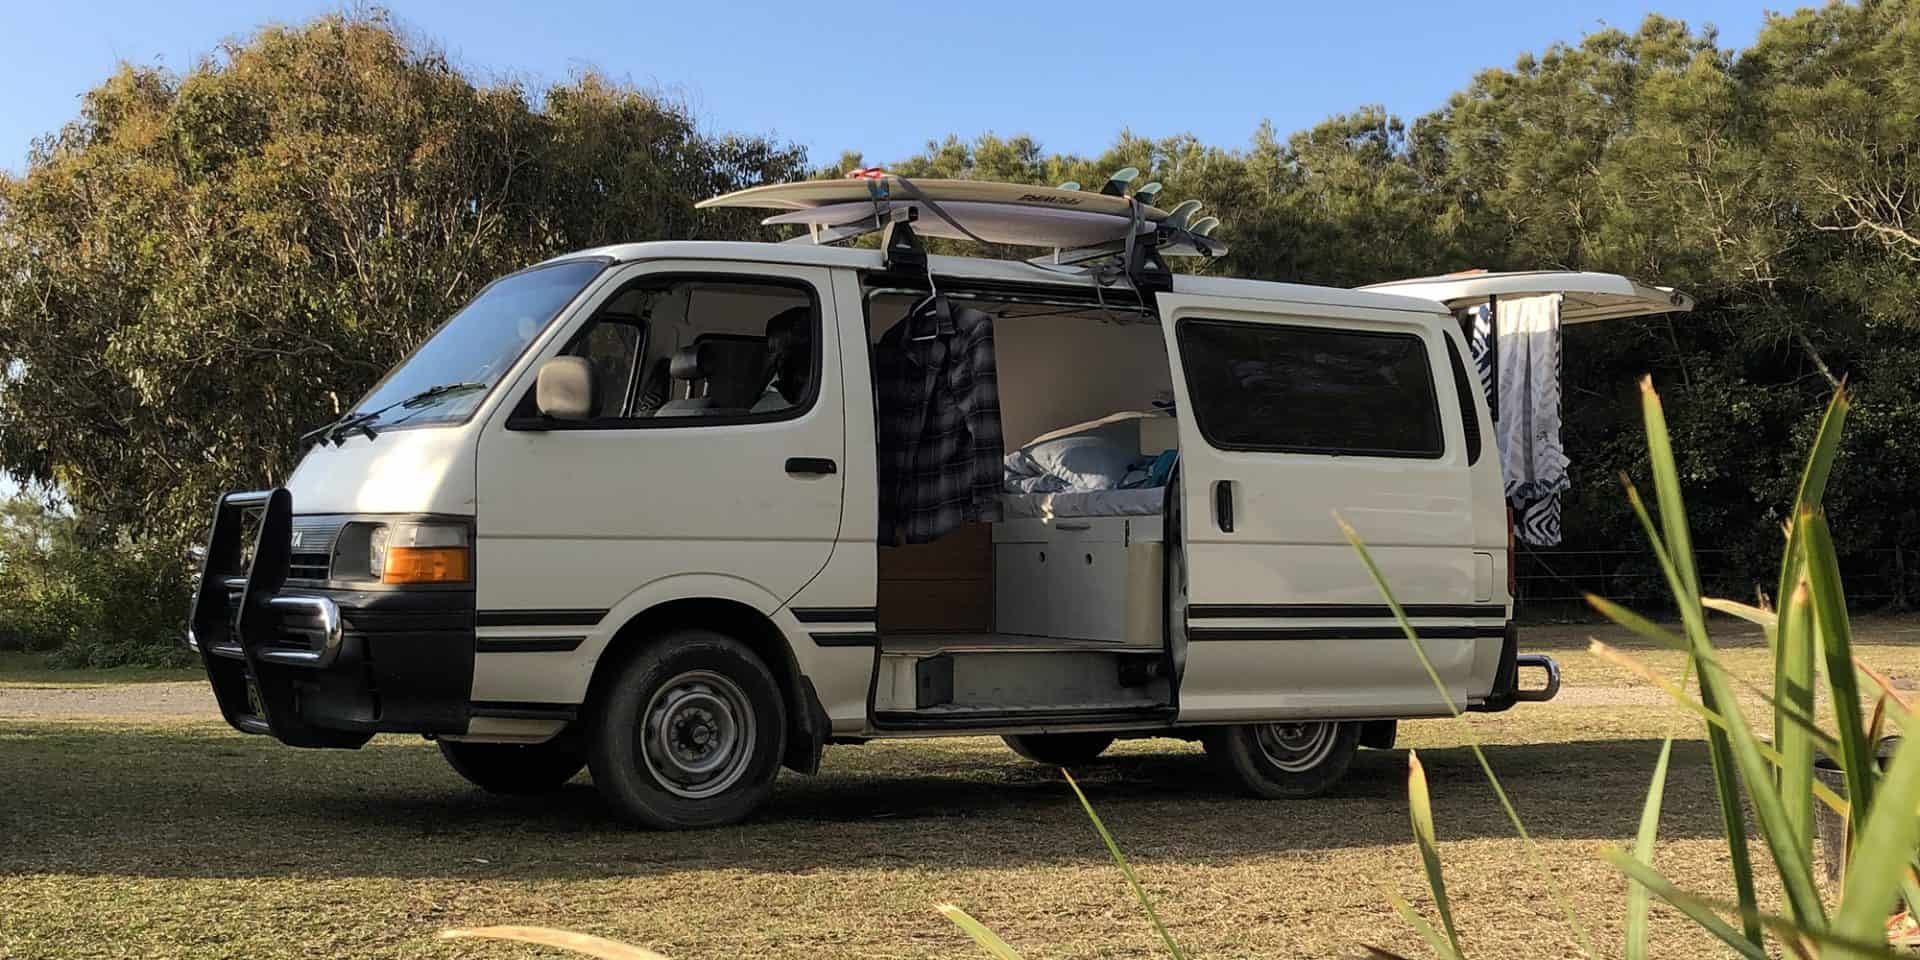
{"x":1293,"y":411}
{"x":1586,"y":296}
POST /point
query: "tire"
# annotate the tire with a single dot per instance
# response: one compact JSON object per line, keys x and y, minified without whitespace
{"x":514,"y":768}
{"x":1286,"y":760}
{"x":1060,"y":749}
{"x":687,"y":732}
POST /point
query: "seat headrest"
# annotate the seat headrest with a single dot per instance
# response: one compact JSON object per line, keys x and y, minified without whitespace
{"x":692,"y":363}
{"x":789,"y":326}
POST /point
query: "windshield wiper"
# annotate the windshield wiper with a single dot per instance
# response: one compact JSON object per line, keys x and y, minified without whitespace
{"x":362,"y":423}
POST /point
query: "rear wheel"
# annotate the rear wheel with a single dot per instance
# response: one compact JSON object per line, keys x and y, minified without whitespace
{"x":688,"y":733}
{"x":514,"y":768}
{"x":1060,"y":749}
{"x":1280,"y":760}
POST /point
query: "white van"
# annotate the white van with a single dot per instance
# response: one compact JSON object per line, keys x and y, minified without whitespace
{"x":622,"y":512}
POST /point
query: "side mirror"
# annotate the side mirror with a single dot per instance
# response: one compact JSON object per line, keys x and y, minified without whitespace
{"x":564,"y":389}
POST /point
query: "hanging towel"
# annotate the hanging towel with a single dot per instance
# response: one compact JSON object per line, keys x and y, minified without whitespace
{"x":1532,"y":461}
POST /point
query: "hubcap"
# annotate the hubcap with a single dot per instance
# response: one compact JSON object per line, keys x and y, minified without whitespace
{"x":1296,"y":747}
{"x":697,"y":734}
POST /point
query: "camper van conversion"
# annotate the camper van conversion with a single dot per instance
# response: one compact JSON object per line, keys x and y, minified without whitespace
{"x":683,"y":513}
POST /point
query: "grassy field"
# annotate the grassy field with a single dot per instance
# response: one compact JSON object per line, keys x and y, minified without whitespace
{"x":171,"y":838}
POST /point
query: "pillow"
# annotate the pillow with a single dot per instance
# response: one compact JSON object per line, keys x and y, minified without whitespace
{"x":1083,"y":461}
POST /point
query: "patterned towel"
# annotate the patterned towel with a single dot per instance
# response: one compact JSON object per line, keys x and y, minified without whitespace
{"x":1532,"y":462}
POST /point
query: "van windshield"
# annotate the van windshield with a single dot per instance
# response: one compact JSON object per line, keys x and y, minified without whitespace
{"x":448,"y":376}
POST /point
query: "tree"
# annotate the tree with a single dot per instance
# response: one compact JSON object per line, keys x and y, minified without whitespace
{"x":200,"y":267}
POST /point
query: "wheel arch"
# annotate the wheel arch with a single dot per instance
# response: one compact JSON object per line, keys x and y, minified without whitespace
{"x":807,"y":725}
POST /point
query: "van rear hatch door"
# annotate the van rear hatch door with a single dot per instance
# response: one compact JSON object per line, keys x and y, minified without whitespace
{"x":1587,"y":296}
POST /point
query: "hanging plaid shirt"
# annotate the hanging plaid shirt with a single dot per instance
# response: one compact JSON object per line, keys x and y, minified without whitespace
{"x":937,"y":412}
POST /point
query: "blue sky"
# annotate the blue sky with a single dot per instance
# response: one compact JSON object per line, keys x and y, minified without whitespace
{"x":883,"y":78}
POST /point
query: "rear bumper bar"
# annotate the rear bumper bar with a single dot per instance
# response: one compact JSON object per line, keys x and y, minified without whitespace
{"x":315,"y":665}
{"x":1506,"y":679}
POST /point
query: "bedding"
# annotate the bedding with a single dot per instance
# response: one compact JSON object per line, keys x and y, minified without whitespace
{"x":1140,"y":502}
{"x":1100,"y":454}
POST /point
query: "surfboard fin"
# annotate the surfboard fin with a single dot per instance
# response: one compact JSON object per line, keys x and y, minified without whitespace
{"x":1204,"y":226}
{"x":1179,"y":216}
{"x":1116,"y":185}
{"x":1147,"y":192}
{"x":1069,"y":185}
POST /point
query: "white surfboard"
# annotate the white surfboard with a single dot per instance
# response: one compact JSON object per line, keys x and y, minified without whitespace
{"x":1005,"y":223}
{"x":1013,"y":214}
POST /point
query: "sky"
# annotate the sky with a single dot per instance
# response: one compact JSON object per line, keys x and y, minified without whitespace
{"x":883,"y":78}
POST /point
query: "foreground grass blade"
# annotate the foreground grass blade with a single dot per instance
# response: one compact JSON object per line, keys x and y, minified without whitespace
{"x":1704,"y":911}
{"x":577,"y":942}
{"x":1139,"y":892}
{"x":1674,"y":550}
{"x":1473,"y":742}
{"x":1884,"y":846}
{"x":1808,"y":497}
{"x":987,"y":939}
{"x":1442,"y":947}
{"x":1836,"y":645}
{"x":1794,"y":691}
{"x":1614,"y":656}
{"x":1645,"y":877}
{"x":1637,"y":894}
{"x":1420,"y":807}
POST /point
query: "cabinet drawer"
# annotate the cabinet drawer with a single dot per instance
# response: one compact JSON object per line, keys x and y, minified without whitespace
{"x":1020,"y":588}
{"x":1089,"y":584}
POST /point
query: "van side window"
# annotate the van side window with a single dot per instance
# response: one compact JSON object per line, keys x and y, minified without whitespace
{"x":692,"y":351}
{"x":1469,"y":415}
{"x":1294,"y":389}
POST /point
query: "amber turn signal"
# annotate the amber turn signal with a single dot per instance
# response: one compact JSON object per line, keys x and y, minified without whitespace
{"x":427,"y":565}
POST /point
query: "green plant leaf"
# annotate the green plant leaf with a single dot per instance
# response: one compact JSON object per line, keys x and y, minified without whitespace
{"x":1674,"y":550}
{"x":1836,"y":646}
{"x":1884,"y":846}
{"x":1113,"y":848}
{"x":1420,"y":807}
{"x":1637,"y":896}
{"x":1793,"y":689}
{"x":1757,"y":616}
{"x":1704,"y":911}
{"x":1443,"y":948}
{"x":1473,"y":742}
{"x":1647,"y":878}
{"x":987,"y":939}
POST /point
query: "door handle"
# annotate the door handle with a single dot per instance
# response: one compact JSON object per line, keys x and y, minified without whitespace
{"x":1223,"y":505}
{"x":811,"y":466}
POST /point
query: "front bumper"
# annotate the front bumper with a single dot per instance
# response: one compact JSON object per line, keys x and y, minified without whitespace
{"x":321,"y":666}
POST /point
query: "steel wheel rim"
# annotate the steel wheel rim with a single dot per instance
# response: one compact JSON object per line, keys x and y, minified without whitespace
{"x":697,"y":734}
{"x":1296,"y":747}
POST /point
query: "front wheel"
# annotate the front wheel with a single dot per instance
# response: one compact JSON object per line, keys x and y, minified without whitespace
{"x":514,"y":768}
{"x":1060,"y":749}
{"x":687,"y":733}
{"x":1283,"y":760}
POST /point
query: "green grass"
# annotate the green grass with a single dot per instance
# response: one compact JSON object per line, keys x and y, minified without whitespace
{"x":31,"y":671}
{"x":192,"y":841}
{"x":168,"y":838}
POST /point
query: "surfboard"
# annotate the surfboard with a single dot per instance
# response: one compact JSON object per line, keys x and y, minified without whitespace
{"x":1011,"y":224}
{"x":1014,"y":214}
{"x":807,"y":194}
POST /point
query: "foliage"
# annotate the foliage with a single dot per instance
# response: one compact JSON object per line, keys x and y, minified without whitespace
{"x":93,"y":596}
{"x":1810,"y":637}
{"x":202,"y":266}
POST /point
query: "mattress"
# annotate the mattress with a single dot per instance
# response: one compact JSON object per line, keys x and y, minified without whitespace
{"x":1140,"y":502}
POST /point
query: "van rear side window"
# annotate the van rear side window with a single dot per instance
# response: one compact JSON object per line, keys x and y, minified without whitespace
{"x":1294,"y":389}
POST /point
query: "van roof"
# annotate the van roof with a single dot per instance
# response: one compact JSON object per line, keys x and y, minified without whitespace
{"x":1002,"y":271}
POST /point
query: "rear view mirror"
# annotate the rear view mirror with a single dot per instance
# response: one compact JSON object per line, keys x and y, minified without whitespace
{"x":564,"y":389}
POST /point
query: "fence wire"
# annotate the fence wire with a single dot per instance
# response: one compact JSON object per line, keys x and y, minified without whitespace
{"x":1552,"y":583}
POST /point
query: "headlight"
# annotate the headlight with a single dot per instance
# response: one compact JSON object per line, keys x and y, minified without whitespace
{"x":420,"y":553}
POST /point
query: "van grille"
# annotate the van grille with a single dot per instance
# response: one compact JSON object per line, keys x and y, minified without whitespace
{"x":313,"y":540}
